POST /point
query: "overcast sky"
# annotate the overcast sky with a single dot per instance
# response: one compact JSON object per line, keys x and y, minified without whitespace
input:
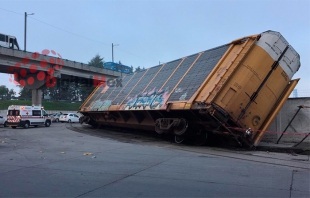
{"x":149,"y":31}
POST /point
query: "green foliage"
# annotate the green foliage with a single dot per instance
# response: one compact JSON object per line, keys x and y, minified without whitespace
{"x":71,"y":91}
{"x":3,"y":91}
{"x":85,"y":91}
{"x":25,"y":93}
{"x":137,"y":69}
{"x":11,"y":93}
{"x":97,"y":61}
{"x":131,"y":69}
{"x":64,"y":90}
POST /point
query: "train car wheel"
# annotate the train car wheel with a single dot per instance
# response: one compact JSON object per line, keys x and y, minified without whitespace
{"x":181,"y":128}
{"x":157,"y":128}
{"x":179,"y":139}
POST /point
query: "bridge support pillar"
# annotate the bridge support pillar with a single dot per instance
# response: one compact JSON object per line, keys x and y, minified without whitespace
{"x":36,"y":85}
{"x":36,"y":97}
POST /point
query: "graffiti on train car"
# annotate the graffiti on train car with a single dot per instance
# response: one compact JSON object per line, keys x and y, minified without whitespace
{"x":100,"y":105}
{"x":154,"y":99}
{"x":95,"y":105}
{"x":105,"y":105}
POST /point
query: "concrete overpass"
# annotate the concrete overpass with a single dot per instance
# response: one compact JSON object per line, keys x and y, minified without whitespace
{"x":39,"y":70}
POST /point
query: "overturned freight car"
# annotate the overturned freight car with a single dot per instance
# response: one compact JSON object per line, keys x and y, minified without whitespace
{"x":234,"y":90}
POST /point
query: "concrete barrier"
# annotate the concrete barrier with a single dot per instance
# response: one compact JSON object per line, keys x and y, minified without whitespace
{"x":299,"y":125}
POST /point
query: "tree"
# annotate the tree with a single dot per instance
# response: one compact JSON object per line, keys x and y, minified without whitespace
{"x":25,"y":93}
{"x":137,"y":69}
{"x":97,"y":61}
{"x":65,"y":90}
{"x":11,"y":93}
{"x":72,"y":90}
{"x":85,"y":91}
{"x":3,"y":91}
{"x":44,"y":92}
{"x":53,"y":93}
{"x":131,"y":69}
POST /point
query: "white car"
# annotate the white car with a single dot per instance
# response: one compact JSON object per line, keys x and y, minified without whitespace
{"x":3,"y":121}
{"x":69,"y":117}
{"x":55,"y":117}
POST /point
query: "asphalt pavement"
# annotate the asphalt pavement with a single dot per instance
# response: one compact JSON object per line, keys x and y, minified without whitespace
{"x":72,"y":160}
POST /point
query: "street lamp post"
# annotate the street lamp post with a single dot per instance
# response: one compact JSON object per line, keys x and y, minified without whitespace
{"x":113,"y":51}
{"x":25,"y":32}
{"x":113,"y":55}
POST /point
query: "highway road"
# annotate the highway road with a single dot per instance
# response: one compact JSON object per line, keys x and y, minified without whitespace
{"x":72,"y":160}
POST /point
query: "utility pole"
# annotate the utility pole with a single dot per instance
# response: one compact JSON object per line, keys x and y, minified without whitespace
{"x":25,"y":32}
{"x":113,"y":51}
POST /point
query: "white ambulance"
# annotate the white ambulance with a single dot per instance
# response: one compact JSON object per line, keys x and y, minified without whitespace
{"x":25,"y":116}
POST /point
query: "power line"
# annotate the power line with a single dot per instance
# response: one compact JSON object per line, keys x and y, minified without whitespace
{"x":86,"y":38}
{"x":69,"y":32}
{"x":58,"y":27}
{"x":134,"y":54}
{"x":11,"y":11}
{"x":76,"y":34}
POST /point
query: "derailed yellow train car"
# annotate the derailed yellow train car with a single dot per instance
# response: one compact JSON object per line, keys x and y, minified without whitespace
{"x":234,"y":90}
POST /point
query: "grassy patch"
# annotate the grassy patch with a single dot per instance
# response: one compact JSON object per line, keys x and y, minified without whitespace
{"x":64,"y":106}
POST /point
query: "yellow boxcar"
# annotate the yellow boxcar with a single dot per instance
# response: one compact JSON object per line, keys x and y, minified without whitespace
{"x":234,"y":90}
